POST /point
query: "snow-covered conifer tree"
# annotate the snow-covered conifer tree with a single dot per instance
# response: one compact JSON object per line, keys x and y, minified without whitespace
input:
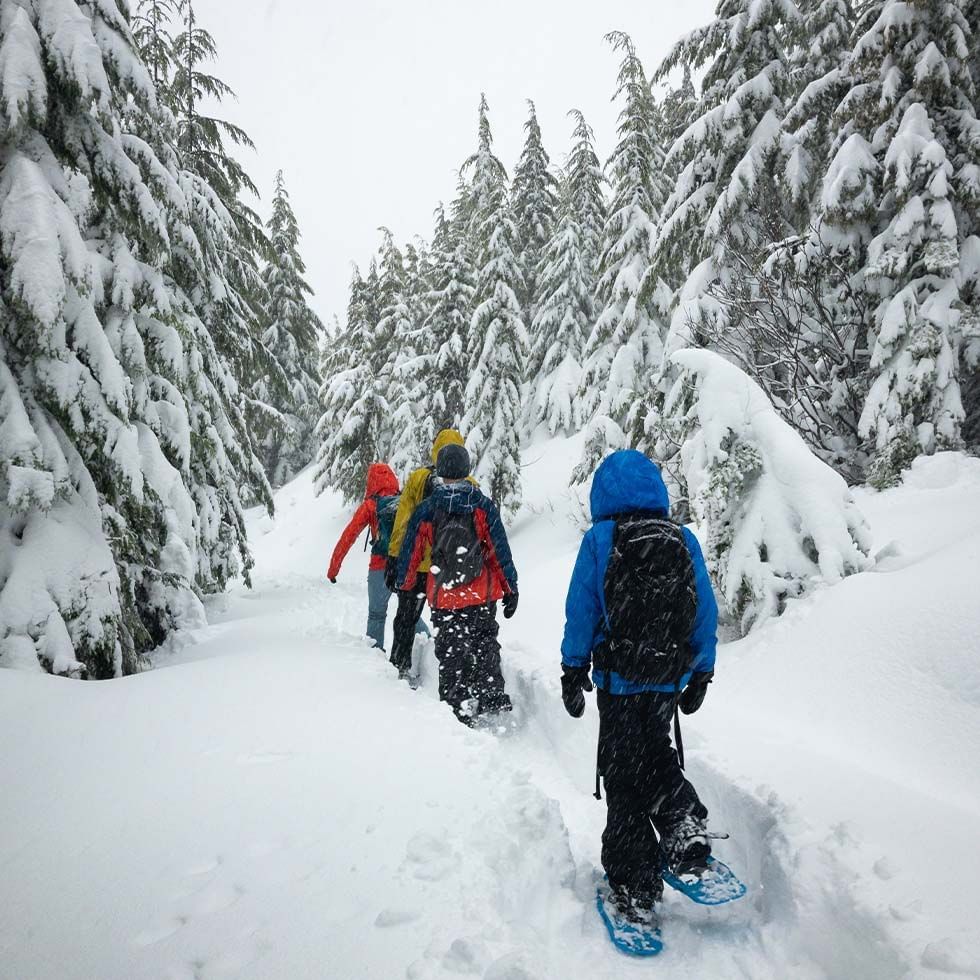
{"x":776,"y":520}
{"x":354,"y":428}
{"x":818,"y":79}
{"x":626,"y":340}
{"x":907,"y":150}
{"x":397,"y":336}
{"x":444,"y":366}
{"x":497,"y":335}
{"x":568,"y":284}
{"x":292,"y":334}
{"x":153,"y":34}
{"x":724,"y":158}
{"x":679,"y":106}
{"x":121,"y":449}
{"x":535,"y":201}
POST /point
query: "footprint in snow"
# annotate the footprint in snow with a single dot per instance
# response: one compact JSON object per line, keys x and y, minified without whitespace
{"x":430,"y":858}
{"x":396,"y":916}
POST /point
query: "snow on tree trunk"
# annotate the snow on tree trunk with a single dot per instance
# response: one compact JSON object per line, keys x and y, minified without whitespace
{"x":777,"y":521}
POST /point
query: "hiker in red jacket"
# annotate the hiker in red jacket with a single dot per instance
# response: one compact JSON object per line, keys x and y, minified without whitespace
{"x":377,"y":512}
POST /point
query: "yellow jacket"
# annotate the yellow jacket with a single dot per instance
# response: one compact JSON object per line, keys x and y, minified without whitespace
{"x":413,"y":493}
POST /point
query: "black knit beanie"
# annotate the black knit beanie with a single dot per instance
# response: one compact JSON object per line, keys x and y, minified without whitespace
{"x":453,"y":463}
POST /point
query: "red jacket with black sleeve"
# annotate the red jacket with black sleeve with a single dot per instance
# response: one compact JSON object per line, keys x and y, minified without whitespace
{"x":498,"y":576}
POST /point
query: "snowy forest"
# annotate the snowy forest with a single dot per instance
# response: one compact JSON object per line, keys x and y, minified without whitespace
{"x":779,"y":260}
{"x":349,"y":633}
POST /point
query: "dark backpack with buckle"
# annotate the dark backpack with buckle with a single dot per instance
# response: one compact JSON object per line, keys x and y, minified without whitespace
{"x":386,"y":508}
{"x":651,"y":601}
{"x":457,"y":552}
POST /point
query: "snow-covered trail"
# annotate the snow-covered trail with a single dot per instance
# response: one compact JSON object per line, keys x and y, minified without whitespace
{"x":274,"y":802}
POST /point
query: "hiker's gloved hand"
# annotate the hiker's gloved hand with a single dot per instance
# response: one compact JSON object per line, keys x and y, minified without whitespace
{"x":694,"y":693}
{"x":574,"y":681}
{"x":510,"y":604}
{"x":391,"y":573}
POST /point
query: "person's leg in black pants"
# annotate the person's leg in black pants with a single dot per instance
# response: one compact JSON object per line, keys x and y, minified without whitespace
{"x":487,"y":680}
{"x":643,"y":782}
{"x":454,"y":651}
{"x":410,"y":606}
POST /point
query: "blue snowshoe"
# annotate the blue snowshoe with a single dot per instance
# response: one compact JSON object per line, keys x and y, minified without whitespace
{"x":633,"y":928}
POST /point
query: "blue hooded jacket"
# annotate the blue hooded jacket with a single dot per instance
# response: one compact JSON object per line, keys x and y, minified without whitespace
{"x":626,"y":482}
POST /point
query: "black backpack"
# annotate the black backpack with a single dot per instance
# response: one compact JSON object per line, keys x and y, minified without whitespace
{"x":457,"y":552}
{"x":651,"y":602}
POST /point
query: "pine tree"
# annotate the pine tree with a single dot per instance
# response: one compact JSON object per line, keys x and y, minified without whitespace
{"x":444,"y":367}
{"x":535,"y":202}
{"x":202,"y":137}
{"x":626,"y":341}
{"x":121,"y":449}
{"x":397,"y":335}
{"x":971,"y":14}
{"x":291,"y":332}
{"x":906,"y":149}
{"x":497,"y":336}
{"x":568,"y":285}
{"x":234,"y":314}
{"x":153,"y":34}
{"x":679,"y":106}
{"x":724,"y":159}
{"x":354,"y":426}
{"x":822,"y":38}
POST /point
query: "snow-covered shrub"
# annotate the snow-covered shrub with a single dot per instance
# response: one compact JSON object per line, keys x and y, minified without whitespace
{"x":778,"y":521}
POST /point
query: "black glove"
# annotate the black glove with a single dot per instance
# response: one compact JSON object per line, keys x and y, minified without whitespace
{"x":695,"y":691}
{"x":332,"y":579}
{"x":575,"y":680}
{"x":391,"y":573}
{"x":510,"y":604}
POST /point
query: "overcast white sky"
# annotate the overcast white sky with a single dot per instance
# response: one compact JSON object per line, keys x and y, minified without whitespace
{"x":369,"y":106}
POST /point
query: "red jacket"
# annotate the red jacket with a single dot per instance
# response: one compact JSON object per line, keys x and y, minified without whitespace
{"x":381,"y":482}
{"x":498,"y":576}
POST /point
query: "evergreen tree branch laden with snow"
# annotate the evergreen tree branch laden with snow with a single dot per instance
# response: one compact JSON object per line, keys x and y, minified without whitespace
{"x":777,"y":521}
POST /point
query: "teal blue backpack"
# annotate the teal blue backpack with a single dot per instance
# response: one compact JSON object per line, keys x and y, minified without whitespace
{"x":387,"y":507}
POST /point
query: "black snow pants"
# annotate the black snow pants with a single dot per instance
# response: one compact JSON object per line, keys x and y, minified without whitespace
{"x":643,"y":780}
{"x":468,"y":651}
{"x":410,"y":606}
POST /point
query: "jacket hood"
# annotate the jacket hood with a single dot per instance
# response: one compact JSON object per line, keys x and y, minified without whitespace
{"x":457,"y":497}
{"x":627,"y":481}
{"x":381,"y":481}
{"x":447,"y":437}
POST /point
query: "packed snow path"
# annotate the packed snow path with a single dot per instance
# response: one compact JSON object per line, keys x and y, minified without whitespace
{"x":274,"y":802}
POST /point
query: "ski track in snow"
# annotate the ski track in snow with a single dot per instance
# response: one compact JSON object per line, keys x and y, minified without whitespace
{"x":274,"y":802}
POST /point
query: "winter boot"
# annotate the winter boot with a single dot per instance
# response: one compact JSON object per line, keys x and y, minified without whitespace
{"x":686,"y":847}
{"x":638,"y":904}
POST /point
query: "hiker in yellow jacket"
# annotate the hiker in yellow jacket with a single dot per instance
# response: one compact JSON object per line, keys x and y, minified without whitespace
{"x":411,"y":602}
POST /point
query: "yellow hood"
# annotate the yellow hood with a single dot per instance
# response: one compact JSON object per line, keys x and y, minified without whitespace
{"x":447,"y":437}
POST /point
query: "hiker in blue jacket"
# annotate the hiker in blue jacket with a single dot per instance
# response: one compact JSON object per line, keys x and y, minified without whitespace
{"x":641,"y":613}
